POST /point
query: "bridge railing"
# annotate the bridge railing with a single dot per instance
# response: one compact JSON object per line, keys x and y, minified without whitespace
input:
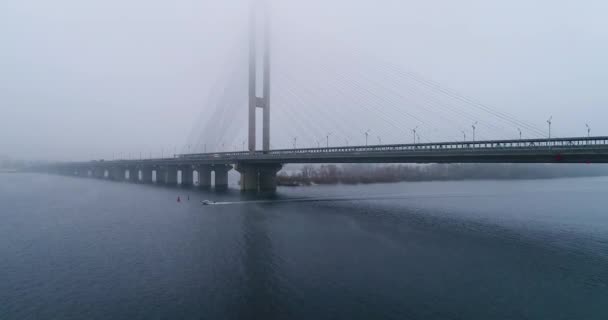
{"x":524,"y":144}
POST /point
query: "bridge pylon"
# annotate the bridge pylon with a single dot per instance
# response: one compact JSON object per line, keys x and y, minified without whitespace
{"x":259,"y":8}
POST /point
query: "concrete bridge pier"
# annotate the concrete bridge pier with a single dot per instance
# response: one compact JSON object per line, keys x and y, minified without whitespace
{"x":268,"y":178}
{"x":258,"y":178}
{"x":161,"y":175}
{"x":204,"y":176}
{"x":117,"y":174}
{"x":171,"y":177}
{"x":99,"y":173}
{"x":68,"y":171}
{"x":134,"y":174}
{"x":249,"y":177}
{"x":221,"y":176}
{"x":187,"y":176}
{"x":146,"y":175}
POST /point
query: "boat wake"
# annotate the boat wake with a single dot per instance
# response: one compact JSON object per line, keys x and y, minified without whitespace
{"x":351,"y":198}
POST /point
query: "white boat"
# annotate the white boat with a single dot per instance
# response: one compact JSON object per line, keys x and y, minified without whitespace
{"x":207,"y":202}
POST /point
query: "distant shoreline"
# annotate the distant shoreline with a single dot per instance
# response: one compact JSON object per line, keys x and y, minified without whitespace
{"x":353,"y":175}
{"x":299,"y":184}
{"x":9,"y":171}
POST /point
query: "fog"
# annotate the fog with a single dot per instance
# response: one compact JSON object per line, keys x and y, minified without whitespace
{"x":101,"y":79}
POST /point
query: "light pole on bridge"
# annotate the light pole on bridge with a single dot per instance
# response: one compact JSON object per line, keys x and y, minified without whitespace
{"x":366,"y":136}
{"x":474,"y":126}
{"x":464,"y":134}
{"x":549,"y":122}
{"x":588,"y":130}
{"x":327,"y":137}
{"x":379,"y":140}
{"x":414,"y":131}
{"x":518,"y":129}
{"x":295,"y":142}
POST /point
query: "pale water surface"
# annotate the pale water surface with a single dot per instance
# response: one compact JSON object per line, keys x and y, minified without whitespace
{"x":74,"y":248}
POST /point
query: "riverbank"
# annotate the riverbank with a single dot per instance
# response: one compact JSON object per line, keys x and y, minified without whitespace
{"x":367,"y":174}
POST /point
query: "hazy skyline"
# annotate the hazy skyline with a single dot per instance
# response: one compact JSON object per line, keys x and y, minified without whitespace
{"x":84,"y":80}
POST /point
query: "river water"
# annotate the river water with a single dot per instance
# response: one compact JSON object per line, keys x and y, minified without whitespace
{"x":75,"y":248}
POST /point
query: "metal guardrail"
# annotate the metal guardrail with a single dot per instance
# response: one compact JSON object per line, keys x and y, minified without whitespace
{"x":525,"y":144}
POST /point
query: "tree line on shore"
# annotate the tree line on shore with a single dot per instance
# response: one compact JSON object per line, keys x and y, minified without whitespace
{"x":365,"y":173}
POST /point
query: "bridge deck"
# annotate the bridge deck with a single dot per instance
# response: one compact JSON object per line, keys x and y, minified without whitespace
{"x":562,"y":150}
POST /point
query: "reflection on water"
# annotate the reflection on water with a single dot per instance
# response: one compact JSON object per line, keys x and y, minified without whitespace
{"x":75,"y":248}
{"x":261,"y":294}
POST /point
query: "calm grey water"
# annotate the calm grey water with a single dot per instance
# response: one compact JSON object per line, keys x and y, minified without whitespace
{"x":83,"y":249}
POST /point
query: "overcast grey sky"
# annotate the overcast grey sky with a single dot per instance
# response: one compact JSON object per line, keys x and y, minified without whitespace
{"x":86,"y":79}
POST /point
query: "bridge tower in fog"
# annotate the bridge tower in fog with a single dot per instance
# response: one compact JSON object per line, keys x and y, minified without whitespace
{"x":259,"y":26}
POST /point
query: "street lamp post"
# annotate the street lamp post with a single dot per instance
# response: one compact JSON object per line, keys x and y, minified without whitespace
{"x":295,"y":142}
{"x":464,"y":134}
{"x":549,"y":122}
{"x":588,"y":130}
{"x":518,"y":129}
{"x":327,"y":137}
{"x":366,"y":136}
{"x":474,"y":126}
{"x":414,"y":131}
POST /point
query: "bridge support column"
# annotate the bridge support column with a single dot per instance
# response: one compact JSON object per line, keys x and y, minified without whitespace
{"x":146,"y":175}
{"x":187,"y":176}
{"x":268,"y":178}
{"x":161,"y":175}
{"x":171,"y":176}
{"x":117,"y":174}
{"x":204,"y":176}
{"x":99,"y":173}
{"x":134,"y":174}
{"x":249,"y":177}
{"x":258,"y":178}
{"x":221,"y":176}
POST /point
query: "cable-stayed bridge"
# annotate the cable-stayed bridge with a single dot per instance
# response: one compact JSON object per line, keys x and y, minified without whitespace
{"x":397,"y":103}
